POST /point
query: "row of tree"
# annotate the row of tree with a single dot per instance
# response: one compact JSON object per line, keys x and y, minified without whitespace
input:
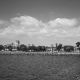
{"x":68,"y":48}
{"x":34,"y":48}
{"x":23,"y":47}
{"x":31,"y":48}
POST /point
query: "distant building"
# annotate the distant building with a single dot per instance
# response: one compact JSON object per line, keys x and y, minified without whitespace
{"x":17,"y":43}
{"x":50,"y":49}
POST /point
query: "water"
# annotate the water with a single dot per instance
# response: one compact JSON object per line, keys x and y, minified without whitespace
{"x":39,"y":67}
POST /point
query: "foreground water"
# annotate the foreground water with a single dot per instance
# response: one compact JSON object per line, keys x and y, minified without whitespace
{"x":39,"y":67}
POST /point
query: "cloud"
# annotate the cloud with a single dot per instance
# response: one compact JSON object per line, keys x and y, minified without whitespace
{"x":25,"y":25}
{"x":25,"y":21}
{"x":29,"y":27}
{"x":62,"y":22}
{"x":61,"y":27}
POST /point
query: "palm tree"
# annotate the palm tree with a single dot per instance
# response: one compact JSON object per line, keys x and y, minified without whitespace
{"x":78,"y":45}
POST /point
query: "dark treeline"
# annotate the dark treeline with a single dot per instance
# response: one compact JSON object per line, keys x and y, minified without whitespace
{"x":23,"y":47}
{"x":33,"y":48}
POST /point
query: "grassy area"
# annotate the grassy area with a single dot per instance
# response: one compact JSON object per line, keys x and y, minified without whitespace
{"x":39,"y":67}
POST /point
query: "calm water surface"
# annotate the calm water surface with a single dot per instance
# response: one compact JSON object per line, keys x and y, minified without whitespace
{"x":39,"y":67}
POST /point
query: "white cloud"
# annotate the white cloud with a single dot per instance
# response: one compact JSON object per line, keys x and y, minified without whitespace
{"x":24,"y":25}
{"x":29,"y":26}
{"x":63,"y":22}
{"x":25,"y":20}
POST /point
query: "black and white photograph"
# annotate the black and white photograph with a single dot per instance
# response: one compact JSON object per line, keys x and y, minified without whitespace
{"x":39,"y":39}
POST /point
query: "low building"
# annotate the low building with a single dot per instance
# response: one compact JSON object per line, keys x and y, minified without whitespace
{"x":50,"y":49}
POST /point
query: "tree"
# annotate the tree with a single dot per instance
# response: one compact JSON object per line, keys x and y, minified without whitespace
{"x":68,"y":48}
{"x":23,"y":47}
{"x":1,"y":47}
{"x":59,"y":47}
{"x":78,"y":45}
{"x":9,"y":47}
{"x":33,"y":47}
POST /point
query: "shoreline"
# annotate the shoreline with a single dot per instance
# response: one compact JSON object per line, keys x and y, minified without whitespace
{"x":40,"y":53}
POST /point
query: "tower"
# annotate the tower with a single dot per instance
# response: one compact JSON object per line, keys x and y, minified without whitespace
{"x":17,"y":43}
{"x":52,"y":47}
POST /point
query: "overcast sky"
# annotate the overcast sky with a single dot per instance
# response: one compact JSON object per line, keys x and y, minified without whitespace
{"x":40,"y":22}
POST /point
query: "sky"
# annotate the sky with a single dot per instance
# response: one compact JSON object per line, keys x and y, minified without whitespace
{"x":40,"y":22}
